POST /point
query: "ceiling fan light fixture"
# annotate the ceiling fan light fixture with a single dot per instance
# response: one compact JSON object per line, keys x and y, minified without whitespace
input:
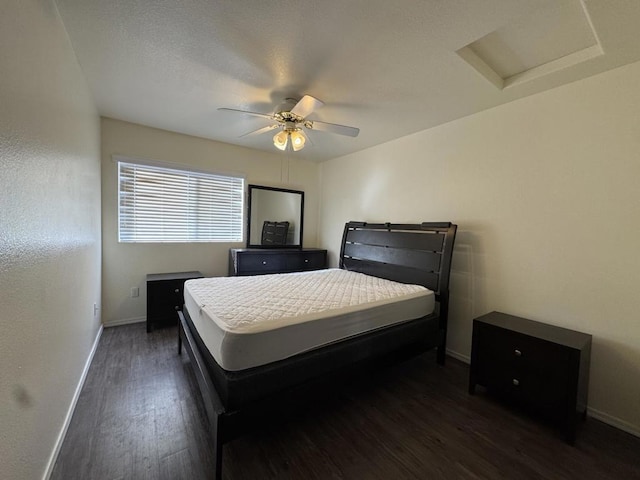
{"x":280,"y":139}
{"x":297,"y":140}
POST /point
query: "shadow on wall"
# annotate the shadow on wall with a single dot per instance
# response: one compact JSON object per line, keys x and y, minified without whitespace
{"x":616,"y":366}
{"x":469,"y":286}
{"x":469,"y":274}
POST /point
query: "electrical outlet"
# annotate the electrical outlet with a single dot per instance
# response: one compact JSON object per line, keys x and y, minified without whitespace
{"x":95,"y":309}
{"x":135,"y":292}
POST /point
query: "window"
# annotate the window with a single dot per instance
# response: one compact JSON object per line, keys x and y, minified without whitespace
{"x":158,"y":204}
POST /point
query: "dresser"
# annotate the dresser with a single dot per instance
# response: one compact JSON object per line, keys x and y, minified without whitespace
{"x":165,"y":296}
{"x":541,"y":367}
{"x":259,"y":261}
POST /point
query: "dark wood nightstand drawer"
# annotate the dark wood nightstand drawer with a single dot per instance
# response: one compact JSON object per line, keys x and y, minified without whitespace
{"x":526,"y":385}
{"x":165,"y":296}
{"x":521,"y":351}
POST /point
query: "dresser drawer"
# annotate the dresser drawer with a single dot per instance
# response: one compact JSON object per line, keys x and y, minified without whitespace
{"x":261,"y":263}
{"x":307,"y":261}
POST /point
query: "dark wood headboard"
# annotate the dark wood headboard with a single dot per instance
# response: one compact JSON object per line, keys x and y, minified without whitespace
{"x":408,"y":253}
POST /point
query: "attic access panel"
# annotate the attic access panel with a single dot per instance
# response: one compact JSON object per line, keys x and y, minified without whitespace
{"x":555,"y":37}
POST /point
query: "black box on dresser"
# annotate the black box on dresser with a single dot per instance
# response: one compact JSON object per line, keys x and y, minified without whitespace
{"x":541,"y":367}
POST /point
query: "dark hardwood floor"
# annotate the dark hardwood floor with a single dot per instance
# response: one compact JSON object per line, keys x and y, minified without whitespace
{"x":140,"y":416}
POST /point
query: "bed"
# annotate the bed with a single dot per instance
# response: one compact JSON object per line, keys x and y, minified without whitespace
{"x":257,"y":344}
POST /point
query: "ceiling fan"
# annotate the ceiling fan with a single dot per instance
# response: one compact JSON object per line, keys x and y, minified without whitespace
{"x":291,"y":119}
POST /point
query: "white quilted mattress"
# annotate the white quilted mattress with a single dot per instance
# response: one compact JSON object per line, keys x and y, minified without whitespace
{"x":246,"y":322}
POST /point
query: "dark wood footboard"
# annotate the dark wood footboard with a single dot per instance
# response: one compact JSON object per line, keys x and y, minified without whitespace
{"x":276,"y":390}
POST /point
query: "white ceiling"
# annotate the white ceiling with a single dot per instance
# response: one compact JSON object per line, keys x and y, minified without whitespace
{"x":387,"y":67}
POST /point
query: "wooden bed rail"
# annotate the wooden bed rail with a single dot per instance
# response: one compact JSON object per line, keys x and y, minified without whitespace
{"x":212,"y":403}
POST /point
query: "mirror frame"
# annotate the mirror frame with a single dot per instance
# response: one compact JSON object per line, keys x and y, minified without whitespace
{"x":253,"y":188}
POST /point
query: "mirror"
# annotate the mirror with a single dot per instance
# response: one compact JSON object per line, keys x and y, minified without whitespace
{"x":275,"y":217}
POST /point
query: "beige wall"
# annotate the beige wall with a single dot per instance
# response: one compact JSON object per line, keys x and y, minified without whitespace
{"x":50,"y":234}
{"x":126,"y":265}
{"x":546,"y":194}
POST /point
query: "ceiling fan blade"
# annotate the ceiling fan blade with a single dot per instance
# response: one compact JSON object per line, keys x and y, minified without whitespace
{"x":266,"y":129}
{"x":306,"y":106}
{"x":307,"y":137}
{"x":255,"y":114}
{"x":334,"y":128}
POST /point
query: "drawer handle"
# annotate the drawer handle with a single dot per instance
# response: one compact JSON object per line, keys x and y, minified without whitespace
{"x":264,"y":262}
{"x":306,"y":260}
{"x":516,"y":382}
{"x":177,"y":307}
{"x":177,"y":290}
{"x":517,"y":352}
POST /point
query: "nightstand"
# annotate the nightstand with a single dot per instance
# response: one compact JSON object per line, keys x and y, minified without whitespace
{"x":538,"y":366}
{"x":165,"y":297}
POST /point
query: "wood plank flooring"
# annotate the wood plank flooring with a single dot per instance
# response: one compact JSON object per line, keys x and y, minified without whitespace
{"x":140,"y":416}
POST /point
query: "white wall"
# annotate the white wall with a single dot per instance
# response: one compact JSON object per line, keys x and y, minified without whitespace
{"x":49,"y":235}
{"x":546,"y":194}
{"x":126,"y":265}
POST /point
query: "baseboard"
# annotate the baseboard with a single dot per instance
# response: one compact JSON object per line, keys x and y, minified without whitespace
{"x":613,"y":421}
{"x":458,"y":356}
{"x":124,"y":321}
{"x":592,"y":412}
{"x":54,"y":455}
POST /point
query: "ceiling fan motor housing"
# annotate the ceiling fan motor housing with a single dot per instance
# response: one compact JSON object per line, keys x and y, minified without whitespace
{"x":290,"y":126}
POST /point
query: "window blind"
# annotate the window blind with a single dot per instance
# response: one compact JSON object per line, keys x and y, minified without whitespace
{"x":158,"y":204}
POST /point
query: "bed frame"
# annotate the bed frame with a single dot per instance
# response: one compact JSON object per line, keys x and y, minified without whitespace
{"x":408,"y":253}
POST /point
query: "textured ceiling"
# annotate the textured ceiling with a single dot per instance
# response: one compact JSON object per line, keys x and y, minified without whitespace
{"x":387,"y":67}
